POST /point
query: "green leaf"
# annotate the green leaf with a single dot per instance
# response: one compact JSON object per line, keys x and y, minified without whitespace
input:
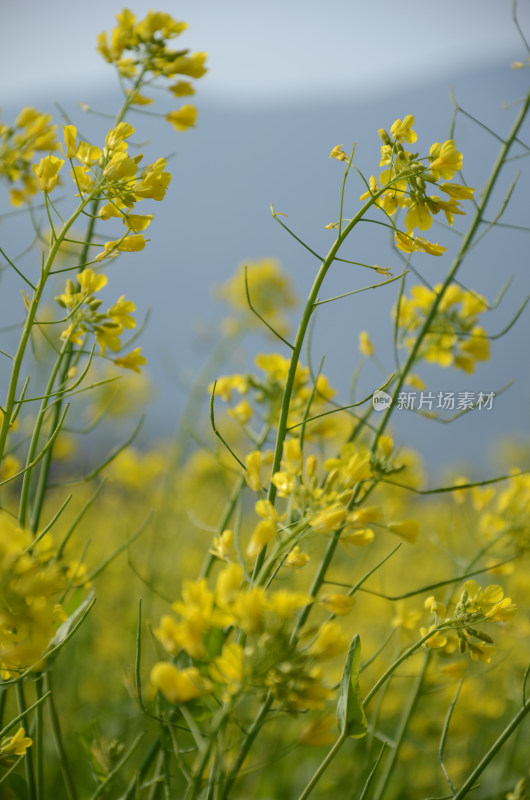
{"x":351,"y":718}
{"x":68,"y":628}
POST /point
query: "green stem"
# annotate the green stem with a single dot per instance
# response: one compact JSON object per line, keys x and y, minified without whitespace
{"x":28,"y":758}
{"x":130,"y":792}
{"x":39,"y":739}
{"x":323,"y":766}
{"x":59,"y":744}
{"x":32,"y":449}
{"x":492,"y":752}
{"x":245,"y":747}
{"x":402,"y":728}
{"x":30,"y":320}
{"x":297,"y":348}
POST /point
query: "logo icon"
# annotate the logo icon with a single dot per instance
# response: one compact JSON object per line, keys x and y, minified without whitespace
{"x":381,"y":400}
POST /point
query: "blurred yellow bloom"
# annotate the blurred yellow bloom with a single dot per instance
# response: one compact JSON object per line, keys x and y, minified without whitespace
{"x":184,"y":118}
{"x":177,"y":685}
{"x":228,"y":668}
{"x":133,"y":360}
{"x":408,"y":529}
{"x":296,"y":559}
{"x":329,"y":641}
{"x":437,"y":640}
{"x":338,"y":604}
{"x":283,"y":603}
{"x":329,"y":519}
{"x":366,"y":347}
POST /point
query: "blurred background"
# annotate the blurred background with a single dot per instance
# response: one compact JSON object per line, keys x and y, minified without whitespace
{"x":287,"y":82}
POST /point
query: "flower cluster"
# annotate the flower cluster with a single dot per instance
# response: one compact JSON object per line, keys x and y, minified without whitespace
{"x":31,"y":582}
{"x":408,"y":178}
{"x":325,"y":504}
{"x":208,"y":657}
{"x":268,"y":288}
{"x":31,"y":133}
{"x":509,"y":511}
{"x":309,"y":399}
{"x":476,"y":606}
{"x":454,"y":338}
{"x":107,"y":327}
{"x":139,"y":50}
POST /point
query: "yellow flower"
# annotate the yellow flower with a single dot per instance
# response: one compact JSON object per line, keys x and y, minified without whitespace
{"x":403,"y":130}
{"x":329,"y":519}
{"x":137,"y":222}
{"x":90,"y":282}
{"x":418,"y":215}
{"x":296,"y":559}
{"x":284,"y":603}
{"x":117,"y":135}
{"x":15,"y":745}
{"x":408,"y":529}
{"x":70,"y":136}
{"x":338,"y":153}
{"x":182,"y":89}
{"x":47,"y":172}
{"x":229,"y":579}
{"x":82,"y":179}
{"x":434,"y":606}
{"x":358,"y":538}
{"x":339,"y":604}
{"x":133,"y":360}
{"x":366,"y":514}
{"x":177,"y":685}
{"x":154,"y":181}
{"x":184,"y":118}
{"x":457,"y":191}
{"x":436,"y":640}
{"x":329,"y":641}
{"x":445,"y":160}
{"x":121,"y":312}
{"x":129,"y":244}
{"x":108,"y":335}
{"x":263,"y":533}
{"x":256,"y":464}
{"x":366,"y":347}
{"x":405,"y":618}
{"x":242,"y":412}
{"x":249,"y":608}
{"x":88,"y":154}
{"x":228,"y":667}
{"x":120,"y":166}
{"x":192,"y":65}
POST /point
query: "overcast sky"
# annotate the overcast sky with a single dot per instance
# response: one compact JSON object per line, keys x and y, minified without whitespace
{"x":278,"y":49}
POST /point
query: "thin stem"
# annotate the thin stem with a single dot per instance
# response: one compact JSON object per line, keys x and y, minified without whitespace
{"x":28,"y":759}
{"x":323,"y":766}
{"x":59,"y":744}
{"x":402,"y":728}
{"x":39,"y":740}
{"x":492,"y":752}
